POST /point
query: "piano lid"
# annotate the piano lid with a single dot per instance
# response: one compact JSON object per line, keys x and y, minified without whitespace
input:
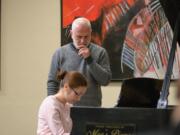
{"x":171,"y":9}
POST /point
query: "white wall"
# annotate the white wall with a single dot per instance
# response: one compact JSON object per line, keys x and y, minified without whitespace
{"x":30,"y":34}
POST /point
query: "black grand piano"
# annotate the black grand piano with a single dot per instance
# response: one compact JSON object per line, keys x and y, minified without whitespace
{"x":142,"y":107}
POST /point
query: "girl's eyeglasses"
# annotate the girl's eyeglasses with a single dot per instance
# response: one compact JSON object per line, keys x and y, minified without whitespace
{"x":76,"y":92}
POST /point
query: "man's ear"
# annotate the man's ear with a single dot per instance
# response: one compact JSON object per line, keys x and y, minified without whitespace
{"x":70,"y":33}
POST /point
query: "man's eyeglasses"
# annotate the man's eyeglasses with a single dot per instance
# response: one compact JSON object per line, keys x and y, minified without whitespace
{"x":77,"y":94}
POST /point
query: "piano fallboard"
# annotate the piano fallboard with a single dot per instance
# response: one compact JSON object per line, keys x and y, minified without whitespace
{"x":106,"y":120}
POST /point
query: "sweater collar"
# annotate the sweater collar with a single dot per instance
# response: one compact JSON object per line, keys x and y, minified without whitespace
{"x":74,"y":48}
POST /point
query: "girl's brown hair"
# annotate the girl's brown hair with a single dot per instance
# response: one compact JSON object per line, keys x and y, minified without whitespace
{"x":73,"y":78}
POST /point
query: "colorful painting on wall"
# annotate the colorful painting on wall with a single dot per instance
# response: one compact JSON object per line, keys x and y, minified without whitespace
{"x":135,"y":33}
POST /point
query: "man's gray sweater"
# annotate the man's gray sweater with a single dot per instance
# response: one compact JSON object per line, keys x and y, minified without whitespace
{"x":96,"y":69}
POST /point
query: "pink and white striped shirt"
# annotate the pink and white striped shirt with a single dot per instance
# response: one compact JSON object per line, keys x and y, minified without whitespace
{"x":54,"y":117}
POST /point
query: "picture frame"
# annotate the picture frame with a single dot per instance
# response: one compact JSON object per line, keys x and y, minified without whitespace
{"x":130,"y":31}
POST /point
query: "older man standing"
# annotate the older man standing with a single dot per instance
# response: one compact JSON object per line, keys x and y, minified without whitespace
{"x":83,"y":56}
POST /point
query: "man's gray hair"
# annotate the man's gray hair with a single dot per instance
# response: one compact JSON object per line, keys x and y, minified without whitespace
{"x":81,"y":21}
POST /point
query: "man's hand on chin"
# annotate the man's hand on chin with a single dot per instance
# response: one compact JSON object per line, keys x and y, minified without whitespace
{"x":84,"y":51}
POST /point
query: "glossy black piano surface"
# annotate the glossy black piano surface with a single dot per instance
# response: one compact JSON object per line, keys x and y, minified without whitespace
{"x":132,"y":121}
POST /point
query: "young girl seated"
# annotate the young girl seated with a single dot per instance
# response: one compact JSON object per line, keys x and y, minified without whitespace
{"x":54,"y":112}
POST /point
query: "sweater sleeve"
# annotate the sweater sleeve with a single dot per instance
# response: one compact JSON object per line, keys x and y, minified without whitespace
{"x":52,"y":83}
{"x":55,"y":122}
{"x":100,"y":70}
{"x":53,"y":118}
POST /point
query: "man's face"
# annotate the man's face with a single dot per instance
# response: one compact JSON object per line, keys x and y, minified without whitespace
{"x":81,"y":36}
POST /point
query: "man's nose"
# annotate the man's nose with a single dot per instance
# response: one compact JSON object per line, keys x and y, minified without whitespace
{"x":82,"y":40}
